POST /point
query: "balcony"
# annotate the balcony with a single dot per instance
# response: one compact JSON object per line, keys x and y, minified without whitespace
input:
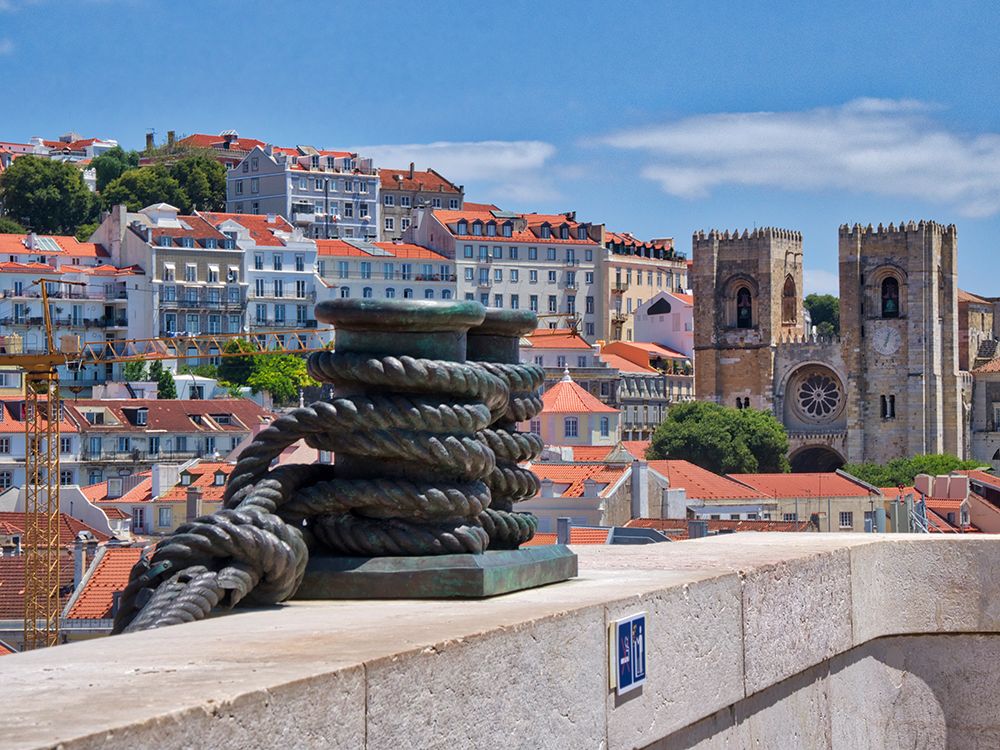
{"x":303,"y":217}
{"x":140,"y":456}
{"x":571,"y":262}
{"x":484,"y":283}
{"x":619,"y":287}
{"x":618,"y":317}
{"x":572,"y":285}
{"x":273,"y":324}
{"x":205,"y":304}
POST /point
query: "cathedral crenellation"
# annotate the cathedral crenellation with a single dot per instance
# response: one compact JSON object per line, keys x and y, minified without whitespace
{"x":888,"y":386}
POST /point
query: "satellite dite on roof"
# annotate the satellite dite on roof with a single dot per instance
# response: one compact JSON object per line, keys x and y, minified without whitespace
{"x":627,"y":653}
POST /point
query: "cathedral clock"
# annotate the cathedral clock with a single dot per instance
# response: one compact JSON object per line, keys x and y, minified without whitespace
{"x":886,"y":340}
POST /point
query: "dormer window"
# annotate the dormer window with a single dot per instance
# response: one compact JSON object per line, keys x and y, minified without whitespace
{"x":187,"y":242}
{"x":220,"y":478}
{"x":564,"y":232}
{"x":211,"y":243}
{"x":463,"y":227}
{"x":314,"y":162}
{"x":508,"y":229}
{"x":186,"y":479}
{"x":477,"y":228}
{"x":141,"y":417}
{"x":581,"y":233}
{"x":546,"y":231}
{"x":165,"y":242}
{"x":491,"y":229}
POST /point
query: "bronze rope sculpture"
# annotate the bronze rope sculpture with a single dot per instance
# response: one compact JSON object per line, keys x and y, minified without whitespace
{"x":426,"y":464}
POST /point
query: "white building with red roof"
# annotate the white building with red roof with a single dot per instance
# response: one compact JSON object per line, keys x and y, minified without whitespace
{"x":572,"y":416}
{"x":667,"y":319}
{"x":403,"y":190}
{"x":547,"y":263}
{"x":356,"y":269}
{"x":328,"y":194}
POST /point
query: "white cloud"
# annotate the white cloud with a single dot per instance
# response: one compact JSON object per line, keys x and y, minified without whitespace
{"x":818,"y":281}
{"x":6,"y":47}
{"x":883,"y":146}
{"x":496,"y":170}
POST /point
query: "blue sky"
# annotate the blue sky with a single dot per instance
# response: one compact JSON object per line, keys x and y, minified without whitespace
{"x":657,"y":118}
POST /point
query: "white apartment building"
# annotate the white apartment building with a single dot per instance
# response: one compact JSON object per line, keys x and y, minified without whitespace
{"x":667,"y":318}
{"x":13,"y":444}
{"x":405,"y":190}
{"x":549,"y":264}
{"x":280,"y":270}
{"x":328,"y":194}
{"x":383,"y":270}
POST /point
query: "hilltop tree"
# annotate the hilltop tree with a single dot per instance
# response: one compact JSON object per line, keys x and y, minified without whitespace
{"x":9,"y":226}
{"x":166,"y":387}
{"x":112,"y":164}
{"x":144,"y":186}
{"x":236,"y":370}
{"x":134,"y":371}
{"x":203,"y":180}
{"x":824,"y":309}
{"x":722,"y":439}
{"x":901,"y":471}
{"x":281,"y":375}
{"x":46,"y":196}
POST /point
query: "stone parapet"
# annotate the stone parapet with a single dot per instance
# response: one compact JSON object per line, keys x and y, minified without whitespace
{"x":770,"y":640}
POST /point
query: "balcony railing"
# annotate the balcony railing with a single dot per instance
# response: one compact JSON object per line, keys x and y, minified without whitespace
{"x":619,"y":287}
{"x":618,"y":317}
{"x":571,"y":262}
{"x":218,"y":304}
{"x":34,"y":293}
{"x":133,"y":456}
{"x":268,"y":324}
{"x":67,"y":322}
{"x":302,"y":217}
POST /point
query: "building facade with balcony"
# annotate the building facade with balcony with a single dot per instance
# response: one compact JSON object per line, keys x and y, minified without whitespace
{"x":635,"y":271}
{"x":354,"y":269}
{"x":119,"y":437}
{"x":196,"y":275}
{"x":328,"y":194}
{"x":404,"y":190}
{"x":546,"y":263}
{"x":13,"y":445}
{"x":280,"y":270}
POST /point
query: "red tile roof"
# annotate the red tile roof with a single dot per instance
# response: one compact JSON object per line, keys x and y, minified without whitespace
{"x":591,"y":452}
{"x":819,"y":484}
{"x":566,"y":397}
{"x":204,"y":140}
{"x":5,"y":650}
{"x":340,"y":248}
{"x":630,"y":240}
{"x":992,"y":366}
{"x":677,"y":528}
{"x":487,"y":207}
{"x":686,"y":298}
{"x":261,"y":230}
{"x":982,"y":477}
{"x":557,"y":338}
{"x":637,"y":448}
{"x":69,"y":527}
{"x":12,"y":244}
{"x":203,"y":476}
{"x":572,"y":476}
{"x":10,"y":408}
{"x":429,"y":181}
{"x":651,"y":349}
{"x":197,"y":228}
{"x":702,"y":484}
{"x":576,"y":536}
{"x":109,"y":574}
{"x":964,"y":296}
{"x":12,"y":584}
{"x":624,"y":365}
{"x":140,"y":492}
{"x":472,"y":212}
{"x":174,"y":415}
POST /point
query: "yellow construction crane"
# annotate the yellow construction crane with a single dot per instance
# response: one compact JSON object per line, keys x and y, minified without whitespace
{"x":43,"y":414}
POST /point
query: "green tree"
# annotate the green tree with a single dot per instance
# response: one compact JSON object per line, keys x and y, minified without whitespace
{"x":722,"y":439}
{"x":901,"y":471}
{"x":281,"y":375}
{"x":9,"y":226}
{"x":141,"y":187}
{"x":134,"y":371}
{"x":46,"y":196}
{"x":203,"y":180}
{"x":112,"y":164}
{"x":824,"y":309}
{"x":166,"y":388}
{"x":84,"y":231}
{"x":237,"y":370}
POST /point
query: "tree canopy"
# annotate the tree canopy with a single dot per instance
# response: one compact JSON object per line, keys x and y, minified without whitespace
{"x":281,"y":375}
{"x":134,"y":371}
{"x":166,"y":387}
{"x":194,"y":182}
{"x":46,"y":196}
{"x":722,"y":439}
{"x":9,"y":226}
{"x":901,"y":471}
{"x":824,"y":309}
{"x":112,"y":164}
{"x":236,"y":370}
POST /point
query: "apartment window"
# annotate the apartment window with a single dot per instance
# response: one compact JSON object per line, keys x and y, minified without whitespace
{"x":300,"y":263}
{"x":345,"y":292}
{"x":348,"y":210}
{"x":390,"y":224}
{"x":484,"y":252}
{"x":190,"y":272}
{"x":366,"y":292}
{"x":552,"y":277}
{"x":453,"y":204}
{"x":428,"y":294}
{"x":259,"y":287}
{"x":182,"y":443}
{"x":605,"y":427}
{"x":588,"y":255}
{"x":846,"y":519}
{"x":366,"y":269}
{"x":790,"y":517}
{"x":514,"y":275}
{"x":6,"y":480}
{"x":589,"y":305}
{"x":65,"y":445}
{"x":233,"y":277}
{"x":532,"y":253}
{"x":498,"y":274}
{"x":388,"y":200}
{"x":279,"y":314}
{"x":590,"y":329}
{"x":235,"y":324}
{"x":261,"y":314}
{"x":467,"y":251}
{"x":484,"y":299}
{"x":362,"y":210}
{"x":588,"y":277}
{"x":300,"y":289}
{"x":214,"y":324}
{"x":571,"y":427}
{"x":533,"y":276}
{"x":515,"y":302}
{"x":4,"y":445}
{"x":550,"y":253}
{"x":388,"y":269}
{"x":470,"y":274}
{"x":65,"y":477}
{"x":404,"y":224}
{"x":124,"y":444}
{"x":390,"y":293}
{"x":404,"y":201}
{"x":193,"y":324}
{"x":213,"y":274}
{"x":406,"y":271}
{"x":571,"y":304}
{"x":255,"y":185}
{"x":170,"y":323}
{"x":239,"y":187}
{"x":407,"y":293}
{"x":164,"y":517}
{"x":561,"y":361}
{"x":446,"y":294}
{"x":533,"y":303}
{"x":435,"y":203}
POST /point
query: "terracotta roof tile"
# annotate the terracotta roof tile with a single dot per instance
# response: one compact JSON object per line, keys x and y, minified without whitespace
{"x":12,"y":584}
{"x":175,"y":415}
{"x":992,"y":366}
{"x":677,"y":528}
{"x":576,"y":536}
{"x":261,"y":230}
{"x":591,"y":452}
{"x":340,"y":248}
{"x":637,"y":448}
{"x":570,"y":477}
{"x":702,"y":484}
{"x":964,"y":296}
{"x":982,"y":477}
{"x":566,"y":397}
{"x":69,"y":527}
{"x":819,"y":484}
{"x":557,"y":338}
{"x":429,"y":181}
{"x":110,"y":574}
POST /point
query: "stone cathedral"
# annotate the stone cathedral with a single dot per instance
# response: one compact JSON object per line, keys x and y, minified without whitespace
{"x":888,"y":387}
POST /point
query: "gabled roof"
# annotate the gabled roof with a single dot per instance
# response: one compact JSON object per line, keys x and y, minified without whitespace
{"x":385,"y":250}
{"x":557,"y":338}
{"x":261,"y":228}
{"x":140,"y":492}
{"x":570,"y":477}
{"x":576,"y":536}
{"x":702,"y":484}
{"x":204,"y":140}
{"x":964,"y":296}
{"x":982,"y":477}
{"x":566,"y":397}
{"x":625,"y":365}
{"x":818,"y":484}
{"x":992,"y":366}
{"x":108,"y":574}
{"x":69,"y":527}
{"x":12,"y":584}
{"x":202,"y":476}
{"x":427,"y":181}
{"x":10,"y":423}
{"x":172,"y":415}
{"x":14,"y":244}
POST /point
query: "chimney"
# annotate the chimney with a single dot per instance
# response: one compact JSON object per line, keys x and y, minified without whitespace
{"x":193,"y":503}
{"x":271,"y":218}
{"x":81,"y":547}
{"x":562,"y":530}
{"x":268,"y":149}
{"x":149,"y":142}
{"x":547,"y":490}
{"x":411,"y":170}
{"x":32,"y":241}
{"x":170,"y":138}
{"x":697,"y":529}
{"x":640,"y":489}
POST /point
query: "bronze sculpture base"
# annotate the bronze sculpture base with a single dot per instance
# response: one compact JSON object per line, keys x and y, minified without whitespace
{"x":436,"y":576}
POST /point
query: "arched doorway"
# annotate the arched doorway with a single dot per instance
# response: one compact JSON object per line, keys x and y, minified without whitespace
{"x":816,"y":458}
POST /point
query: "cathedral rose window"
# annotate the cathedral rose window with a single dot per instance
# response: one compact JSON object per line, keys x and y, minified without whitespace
{"x":819,"y":395}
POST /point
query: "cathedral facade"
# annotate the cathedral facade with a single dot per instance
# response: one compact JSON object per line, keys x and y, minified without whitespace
{"x":888,"y":387}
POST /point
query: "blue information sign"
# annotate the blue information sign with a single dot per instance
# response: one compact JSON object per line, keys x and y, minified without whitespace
{"x":629,"y":650}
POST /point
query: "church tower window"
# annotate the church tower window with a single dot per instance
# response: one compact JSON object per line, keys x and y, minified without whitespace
{"x":788,"y":302}
{"x":890,"y":298}
{"x":744,"y":308}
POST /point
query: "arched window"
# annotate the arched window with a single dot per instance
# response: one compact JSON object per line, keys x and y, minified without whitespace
{"x":789,"y":304}
{"x":345,"y":292}
{"x":605,"y":426}
{"x":407,"y":294}
{"x":390,"y":293}
{"x":744,"y":308}
{"x":890,"y":298}
{"x":446,"y":294}
{"x":366,"y":292}
{"x":570,"y":427}
{"x":428,"y":294}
